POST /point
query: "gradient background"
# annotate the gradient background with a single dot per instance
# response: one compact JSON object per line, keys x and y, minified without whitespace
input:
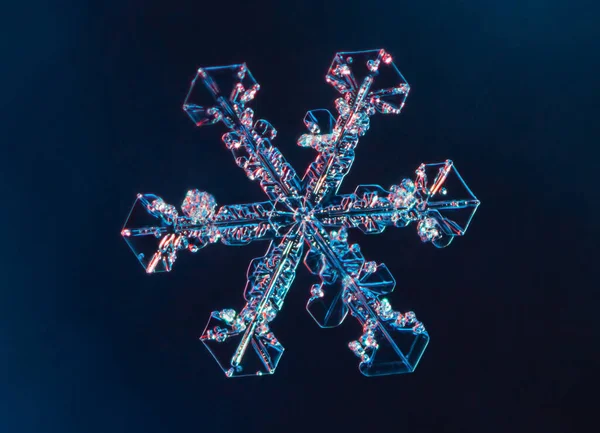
{"x":92,"y":116}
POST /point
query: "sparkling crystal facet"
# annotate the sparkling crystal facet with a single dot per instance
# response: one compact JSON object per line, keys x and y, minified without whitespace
{"x":198,"y":205}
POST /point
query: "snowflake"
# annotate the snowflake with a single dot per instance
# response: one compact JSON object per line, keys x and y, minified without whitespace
{"x":306,"y":213}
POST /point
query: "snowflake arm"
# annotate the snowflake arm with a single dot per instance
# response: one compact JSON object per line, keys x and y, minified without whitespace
{"x":391,"y":342}
{"x":244,"y":344}
{"x":221,"y":94}
{"x":156,"y":232}
{"x":438,"y":201}
{"x":369,"y":82}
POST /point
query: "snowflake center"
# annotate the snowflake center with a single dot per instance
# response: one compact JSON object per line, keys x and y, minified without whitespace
{"x":304,"y":214}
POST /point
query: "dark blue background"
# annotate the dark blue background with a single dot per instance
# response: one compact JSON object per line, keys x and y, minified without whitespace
{"x":92,"y":115}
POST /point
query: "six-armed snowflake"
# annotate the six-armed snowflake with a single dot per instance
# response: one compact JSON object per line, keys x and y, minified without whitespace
{"x":306,"y":213}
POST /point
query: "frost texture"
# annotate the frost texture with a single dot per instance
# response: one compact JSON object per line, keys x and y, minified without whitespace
{"x":306,"y":219}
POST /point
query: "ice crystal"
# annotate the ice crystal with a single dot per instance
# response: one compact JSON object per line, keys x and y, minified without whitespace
{"x":306,"y":217}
